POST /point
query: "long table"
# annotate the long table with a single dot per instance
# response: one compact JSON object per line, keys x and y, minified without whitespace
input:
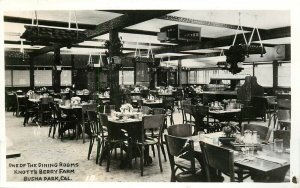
{"x":264,"y":166}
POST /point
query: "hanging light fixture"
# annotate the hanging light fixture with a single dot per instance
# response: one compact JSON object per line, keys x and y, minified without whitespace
{"x":90,"y":65}
{"x":100,"y":62}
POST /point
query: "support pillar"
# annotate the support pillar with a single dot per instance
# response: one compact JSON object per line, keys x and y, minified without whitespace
{"x":114,"y":49}
{"x":31,"y":72}
{"x":275,"y":75}
{"x":55,"y":72}
{"x":179,"y":72}
{"x":72,"y":69}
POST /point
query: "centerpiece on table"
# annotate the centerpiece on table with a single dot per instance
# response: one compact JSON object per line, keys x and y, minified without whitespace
{"x":150,"y":98}
{"x":30,"y":94}
{"x":126,"y":108}
{"x":229,"y":130}
{"x":75,"y":101}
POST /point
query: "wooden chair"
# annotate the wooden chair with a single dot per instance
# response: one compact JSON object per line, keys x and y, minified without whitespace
{"x":154,"y":133}
{"x":180,"y":130}
{"x":178,"y":97}
{"x":55,"y":121}
{"x":45,"y":110}
{"x":168,"y":104}
{"x":259,"y":107}
{"x":200,"y":113}
{"x":31,"y":111}
{"x":150,"y":122}
{"x":63,"y":121}
{"x":217,"y":158}
{"x":182,"y":157}
{"x":284,"y":118}
{"x":89,"y":118}
{"x":115,"y":139}
{"x":187,"y":111}
{"x":21,"y":105}
{"x":285,"y":135}
{"x":263,"y":131}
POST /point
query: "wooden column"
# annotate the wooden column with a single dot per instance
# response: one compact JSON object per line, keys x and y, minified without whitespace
{"x":72,"y":68}
{"x":31,"y":72}
{"x":115,"y":94}
{"x":275,"y":75}
{"x":55,"y":72}
{"x":152,"y":79}
{"x":179,"y":72}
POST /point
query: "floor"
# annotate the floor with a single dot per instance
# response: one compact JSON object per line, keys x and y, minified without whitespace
{"x":37,"y":148}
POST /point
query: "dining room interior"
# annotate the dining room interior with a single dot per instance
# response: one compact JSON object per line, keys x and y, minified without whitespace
{"x":148,"y":95}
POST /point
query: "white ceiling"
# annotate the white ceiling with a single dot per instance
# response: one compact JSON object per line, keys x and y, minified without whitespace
{"x":263,"y":19}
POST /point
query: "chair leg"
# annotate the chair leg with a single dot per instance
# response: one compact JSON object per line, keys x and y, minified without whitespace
{"x":159,"y":159}
{"x":108,"y":158}
{"x":172,"y":120}
{"x":163,"y":151}
{"x":54,"y":130}
{"x":99,"y":149}
{"x":91,"y":147}
{"x":50,"y":129}
{"x":142,"y":161}
{"x":153,"y":151}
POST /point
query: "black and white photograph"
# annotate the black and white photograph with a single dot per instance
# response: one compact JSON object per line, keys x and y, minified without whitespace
{"x":159,"y":94}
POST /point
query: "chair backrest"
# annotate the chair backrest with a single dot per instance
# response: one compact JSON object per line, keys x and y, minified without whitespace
{"x":200,"y":111}
{"x":263,"y":131}
{"x":45,"y":103}
{"x":187,"y":108}
{"x":168,"y":103}
{"x":218,"y":158}
{"x":86,"y":108}
{"x":106,"y":109}
{"x":146,"y":110}
{"x":285,"y":135}
{"x":182,"y":148}
{"x":92,"y":117}
{"x":180,"y":130}
{"x":187,"y":101}
{"x":283,"y":104}
{"x":284,"y":114}
{"x":145,"y":93}
{"x":153,"y":121}
{"x":156,"y":111}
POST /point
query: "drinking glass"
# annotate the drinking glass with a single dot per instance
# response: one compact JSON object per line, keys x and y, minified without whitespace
{"x":278,"y":145}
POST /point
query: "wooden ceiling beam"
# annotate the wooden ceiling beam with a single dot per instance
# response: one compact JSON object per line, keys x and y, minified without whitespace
{"x":202,"y":22}
{"x":118,"y":23}
{"x":128,"y":19}
{"x":50,"y":23}
{"x":192,"y":56}
{"x":225,"y":41}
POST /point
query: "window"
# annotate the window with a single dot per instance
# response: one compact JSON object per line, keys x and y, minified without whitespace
{"x":43,"y":77}
{"x":126,"y":77}
{"x":284,"y":75}
{"x":264,"y":75}
{"x":183,"y":77}
{"x":66,"y":78}
{"x":8,"y":81}
{"x":21,"y":78}
{"x":192,"y":77}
